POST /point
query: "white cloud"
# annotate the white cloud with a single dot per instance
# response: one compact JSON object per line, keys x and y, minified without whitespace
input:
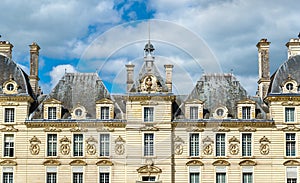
{"x":58,"y":71}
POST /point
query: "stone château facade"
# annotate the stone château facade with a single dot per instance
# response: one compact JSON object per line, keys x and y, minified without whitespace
{"x":216,"y":134}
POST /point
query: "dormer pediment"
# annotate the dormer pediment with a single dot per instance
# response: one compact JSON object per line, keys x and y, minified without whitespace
{"x":194,"y":101}
{"x":52,"y":101}
{"x":246,"y":101}
{"x":104,"y":101}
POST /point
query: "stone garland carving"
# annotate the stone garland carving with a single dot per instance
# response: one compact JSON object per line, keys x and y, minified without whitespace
{"x":65,"y":146}
{"x":234,"y":146}
{"x":207,"y":145}
{"x":91,"y":145}
{"x":178,"y":145}
{"x":264,"y":145}
{"x":119,"y":147}
{"x":34,"y":145}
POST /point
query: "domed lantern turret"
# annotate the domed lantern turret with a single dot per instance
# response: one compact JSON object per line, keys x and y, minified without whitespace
{"x":149,"y":48}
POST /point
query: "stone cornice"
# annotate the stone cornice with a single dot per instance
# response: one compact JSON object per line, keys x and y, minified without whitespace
{"x":283,"y":98}
{"x":16,"y":98}
{"x":153,"y":98}
{"x":74,"y":124}
{"x":227,"y":124}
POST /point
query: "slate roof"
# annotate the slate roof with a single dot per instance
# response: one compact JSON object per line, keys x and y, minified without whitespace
{"x":289,"y":67}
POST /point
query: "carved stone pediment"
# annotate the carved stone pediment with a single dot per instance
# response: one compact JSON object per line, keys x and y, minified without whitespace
{"x":149,"y":169}
{"x":178,"y":139}
{"x":8,"y":163}
{"x":52,"y":129}
{"x":291,"y":163}
{"x":104,"y":163}
{"x":91,"y":139}
{"x":194,"y":163}
{"x":149,"y":128}
{"x":194,"y":129}
{"x":78,"y":129}
{"x":264,"y":139}
{"x":77,"y":162}
{"x":207,"y":139}
{"x":221,"y":163}
{"x":247,"y":163}
{"x":65,"y":140}
{"x":290,"y":103}
{"x":290,"y":128}
{"x":105,"y":129}
{"x":221,"y":129}
{"x":247,"y":129}
{"x":104,"y":101}
{"x":51,"y":162}
{"x":34,"y":139}
{"x":234,"y":139}
{"x":119,"y":139}
{"x":9,"y":128}
{"x":52,"y":101}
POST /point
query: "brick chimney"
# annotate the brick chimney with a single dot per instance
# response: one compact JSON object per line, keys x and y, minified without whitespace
{"x":6,"y":48}
{"x":263,"y":67}
{"x":169,"y":70}
{"x":34,"y":67}
{"x":130,"y":75}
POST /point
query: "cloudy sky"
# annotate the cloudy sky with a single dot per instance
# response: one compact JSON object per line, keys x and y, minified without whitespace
{"x":197,"y":36}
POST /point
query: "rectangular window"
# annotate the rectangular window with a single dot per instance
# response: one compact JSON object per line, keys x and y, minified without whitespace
{"x":104,"y":144}
{"x":193,"y":112}
{"x":104,"y":113}
{"x":194,"y":177}
{"x":221,"y":177}
{"x":247,"y":178}
{"x":148,"y":114}
{"x":51,"y":177}
{"x":291,"y":174}
{"x":246,"y":144}
{"x":220,"y":144}
{"x":148,"y":178}
{"x":78,"y":145}
{"x":290,"y":143}
{"x":194,"y":144}
{"x":104,"y":177}
{"x":289,"y":114}
{"x":8,"y":177}
{"x":51,"y":145}
{"x":246,"y":112}
{"x":9,"y":115}
{"x":8,"y":145}
{"x":77,"y":177}
{"x":51,"y":112}
{"x":148,"y":144}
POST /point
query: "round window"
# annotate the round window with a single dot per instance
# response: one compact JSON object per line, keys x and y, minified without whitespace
{"x":78,"y":112}
{"x":289,"y":86}
{"x":220,"y":112}
{"x":10,"y":87}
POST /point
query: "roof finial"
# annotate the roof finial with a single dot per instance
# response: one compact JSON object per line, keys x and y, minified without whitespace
{"x":148,"y":47}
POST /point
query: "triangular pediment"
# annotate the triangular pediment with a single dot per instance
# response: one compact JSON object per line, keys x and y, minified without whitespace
{"x":52,"y":101}
{"x":104,"y":101}
{"x":194,"y":101}
{"x":246,"y":101}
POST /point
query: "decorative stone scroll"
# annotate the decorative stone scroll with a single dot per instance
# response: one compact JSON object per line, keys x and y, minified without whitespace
{"x":119,"y":147}
{"x":264,"y":145}
{"x":207,"y":145}
{"x":91,"y":145}
{"x":178,"y":145}
{"x":34,"y":145}
{"x":65,"y":145}
{"x":234,"y":145}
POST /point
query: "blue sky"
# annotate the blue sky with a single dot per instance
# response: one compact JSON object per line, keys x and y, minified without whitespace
{"x":67,"y":31}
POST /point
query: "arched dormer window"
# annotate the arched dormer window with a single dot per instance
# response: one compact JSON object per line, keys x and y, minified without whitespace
{"x":289,"y":86}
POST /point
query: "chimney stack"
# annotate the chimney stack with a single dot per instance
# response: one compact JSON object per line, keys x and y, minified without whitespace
{"x":6,"y":48}
{"x":263,"y":67}
{"x":130,"y":75}
{"x":169,"y":70}
{"x":34,"y":67}
{"x":293,"y":47}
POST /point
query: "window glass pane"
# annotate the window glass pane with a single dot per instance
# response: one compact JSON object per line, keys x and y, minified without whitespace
{"x":148,"y":144}
{"x":104,"y":144}
{"x":8,"y":177}
{"x":246,"y":144}
{"x":51,"y":177}
{"x":104,"y":112}
{"x":220,"y":144}
{"x":246,"y":112}
{"x":148,"y":114}
{"x":289,"y":114}
{"x":148,"y":178}
{"x":8,"y":145}
{"x":221,"y":178}
{"x":51,"y":112}
{"x":9,"y":115}
{"x":104,"y":177}
{"x":194,"y":178}
{"x":52,"y":145}
{"x":247,"y":178}
{"x":290,"y":144}
{"x":194,"y":144}
{"x":78,"y":177}
{"x":193,"y":112}
{"x":78,"y":145}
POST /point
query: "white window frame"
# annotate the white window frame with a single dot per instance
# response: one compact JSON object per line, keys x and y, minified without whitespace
{"x":109,"y":144}
{"x":50,"y":169}
{"x":152,"y":146}
{"x":83,"y":152}
{"x":194,"y":112}
{"x":53,"y":114}
{"x":288,"y":116}
{"x":7,"y":169}
{"x":194,"y":169}
{"x":104,"y":169}
{"x":246,"y":112}
{"x":47,"y":148}
{"x":285,"y":143}
{"x":221,"y":169}
{"x":199,"y":143}
{"x":286,"y":173}
{"x":247,"y":170}
{"x":77,"y":169}
{"x":246,"y":145}
{"x":147,"y":120}
{"x":105,"y":115}
{"x":10,"y":121}
{"x":224,"y":148}
{"x":14,"y":145}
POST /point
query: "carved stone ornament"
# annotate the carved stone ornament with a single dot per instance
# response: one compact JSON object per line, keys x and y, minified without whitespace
{"x":91,"y":145}
{"x":34,"y":145}
{"x":194,"y":163}
{"x":221,"y":129}
{"x":264,"y":139}
{"x":51,"y":162}
{"x":9,"y":128}
{"x":221,"y":163}
{"x":234,"y":139}
{"x":52,"y":129}
{"x":8,"y":163}
{"x":119,"y":147}
{"x":178,"y":145}
{"x":234,"y":148}
{"x":264,"y":145}
{"x":178,"y":139}
{"x":149,"y":169}
{"x":291,"y":128}
{"x":105,"y":129}
{"x":104,"y":163}
{"x":194,"y":129}
{"x":65,"y":146}
{"x":207,"y":149}
{"x":247,"y":163}
{"x":78,"y":129}
{"x":291,"y":163}
{"x":149,"y":128}
{"x":247,"y":129}
{"x":150,"y":84}
{"x":77,"y":162}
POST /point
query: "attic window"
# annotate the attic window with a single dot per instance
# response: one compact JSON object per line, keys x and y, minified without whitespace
{"x":78,"y":112}
{"x":220,"y":112}
{"x":10,"y":87}
{"x":289,"y":86}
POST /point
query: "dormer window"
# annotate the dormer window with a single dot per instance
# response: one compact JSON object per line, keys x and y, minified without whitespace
{"x":104,"y":112}
{"x":193,"y":112}
{"x":10,"y":86}
{"x":105,"y":109}
{"x":194,"y":109}
{"x":220,"y":113}
{"x":246,"y":109}
{"x":52,"y":109}
{"x":79,"y":112}
{"x":289,"y":86}
{"x":51,"y":112}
